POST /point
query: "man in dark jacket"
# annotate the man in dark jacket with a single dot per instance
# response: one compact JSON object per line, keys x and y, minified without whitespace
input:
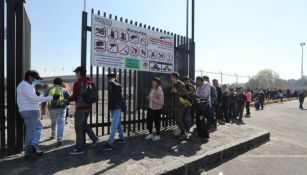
{"x":181,"y":106}
{"x":117,"y":106}
{"x":83,"y":110}
{"x":218,"y":109}
{"x":225,"y":104}
{"x":301,"y":99}
{"x":261,"y":99}
{"x":232,"y":103}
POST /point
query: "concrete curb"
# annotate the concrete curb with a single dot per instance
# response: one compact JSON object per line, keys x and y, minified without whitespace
{"x":190,"y":165}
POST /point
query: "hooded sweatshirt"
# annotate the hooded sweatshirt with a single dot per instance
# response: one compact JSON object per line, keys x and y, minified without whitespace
{"x":80,"y":104}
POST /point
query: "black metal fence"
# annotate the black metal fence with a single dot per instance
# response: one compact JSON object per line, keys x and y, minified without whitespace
{"x":13,"y":63}
{"x":136,"y":84}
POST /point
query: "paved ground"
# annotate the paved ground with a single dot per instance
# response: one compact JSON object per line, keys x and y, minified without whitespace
{"x":135,"y":157}
{"x":285,"y":154}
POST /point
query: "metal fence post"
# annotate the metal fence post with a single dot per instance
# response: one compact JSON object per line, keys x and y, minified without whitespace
{"x":83,"y":39}
{"x":2,"y":80}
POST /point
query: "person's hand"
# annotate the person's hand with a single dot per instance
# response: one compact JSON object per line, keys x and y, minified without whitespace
{"x":56,"y":97}
{"x":174,"y":90}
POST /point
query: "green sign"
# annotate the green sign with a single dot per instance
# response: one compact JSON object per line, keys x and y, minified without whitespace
{"x":132,"y":63}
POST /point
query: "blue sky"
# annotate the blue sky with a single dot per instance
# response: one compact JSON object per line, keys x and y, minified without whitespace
{"x":232,"y":36}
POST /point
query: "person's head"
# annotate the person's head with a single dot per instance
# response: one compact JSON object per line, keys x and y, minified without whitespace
{"x":111,"y":77}
{"x":156,"y":82}
{"x":199,"y":81}
{"x":175,"y":77}
{"x":31,"y":76}
{"x":224,"y":88}
{"x":215,"y":82}
{"x":206,"y":78}
{"x":80,"y":72}
{"x":186,"y":80}
{"x":58,"y":82}
{"x":231,"y":90}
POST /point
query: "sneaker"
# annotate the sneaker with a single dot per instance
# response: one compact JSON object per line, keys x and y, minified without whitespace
{"x":156,"y":138}
{"x":107,"y":147}
{"x":60,"y":142}
{"x":76,"y":152}
{"x":149,"y":137}
{"x":94,"y":142}
{"x":121,"y":141}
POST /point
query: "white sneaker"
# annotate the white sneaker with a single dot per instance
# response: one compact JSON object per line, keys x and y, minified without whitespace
{"x":149,"y":136}
{"x":156,"y":138}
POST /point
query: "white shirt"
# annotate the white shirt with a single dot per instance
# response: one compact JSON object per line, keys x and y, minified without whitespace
{"x":27,"y":99}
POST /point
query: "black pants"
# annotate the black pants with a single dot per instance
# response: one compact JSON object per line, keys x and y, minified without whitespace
{"x":301,"y":104}
{"x":247,"y":106}
{"x":219,"y":112}
{"x":202,"y":118}
{"x":154,"y":116}
{"x":261,"y":103}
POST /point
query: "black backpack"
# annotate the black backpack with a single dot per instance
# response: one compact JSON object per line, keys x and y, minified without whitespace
{"x":89,"y":92}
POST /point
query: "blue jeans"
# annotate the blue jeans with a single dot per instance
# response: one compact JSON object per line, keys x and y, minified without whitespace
{"x":34,"y":128}
{"x":57,"y":122}
{"x":116,"y":125}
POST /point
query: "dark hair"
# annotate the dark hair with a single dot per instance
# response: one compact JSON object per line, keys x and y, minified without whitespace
{"x":81,"y":70}
{"x":58,"y":81}
{"x":215,"y":80}
{"x":206,"y":78}
{"x":176,"y":75}
{"x":158,"y":80}
{"x":32,"y":73}
{"x":111,"y":75}
{"x":186,"y":78}
{"x":199,"y":78}
{"x":224,"y":86}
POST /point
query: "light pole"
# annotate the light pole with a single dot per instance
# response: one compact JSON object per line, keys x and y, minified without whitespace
{"x":302,"y":67}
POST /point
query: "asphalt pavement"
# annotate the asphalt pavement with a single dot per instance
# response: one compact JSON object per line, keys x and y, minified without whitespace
{"x":285,"y":154}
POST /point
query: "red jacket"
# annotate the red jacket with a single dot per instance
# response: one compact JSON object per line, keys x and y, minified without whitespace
{"x":80,"y":104}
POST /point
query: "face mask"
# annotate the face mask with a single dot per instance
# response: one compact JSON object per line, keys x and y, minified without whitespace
{"x":35,"y":82}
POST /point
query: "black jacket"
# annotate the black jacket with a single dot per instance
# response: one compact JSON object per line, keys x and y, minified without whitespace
{"x":116,"y":99}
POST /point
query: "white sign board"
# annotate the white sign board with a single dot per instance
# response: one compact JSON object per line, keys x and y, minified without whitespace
{"x":120,"y":45}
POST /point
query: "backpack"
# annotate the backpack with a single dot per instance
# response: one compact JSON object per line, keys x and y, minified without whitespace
{"x":89,"y":92}
{"x":58,"y":103}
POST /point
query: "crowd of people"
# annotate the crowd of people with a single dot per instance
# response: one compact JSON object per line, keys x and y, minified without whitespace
{"x":202,"y":103}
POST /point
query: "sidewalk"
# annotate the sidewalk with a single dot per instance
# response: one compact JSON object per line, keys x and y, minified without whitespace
{"x":137,"y":156}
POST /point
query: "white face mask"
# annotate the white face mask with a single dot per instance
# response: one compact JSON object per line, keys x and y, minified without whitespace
{"x":35,"y":82}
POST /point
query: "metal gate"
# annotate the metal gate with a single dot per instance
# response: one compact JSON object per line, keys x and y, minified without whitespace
{"x":136,"y":84}
{"x":14,"y":60}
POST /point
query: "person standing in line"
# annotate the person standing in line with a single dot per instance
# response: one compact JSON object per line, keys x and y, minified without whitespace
{"x":240,"y":103}
{"x":189,"y":121}
{"x":203,"y":99}
{"x":261,"y":99}
{"x":181,"y":105}
{"x":301,"y":99}
{"x":83,"y":110}
{"x":213,"y":95}
{"x":57,"y":109}
{"x":232,"y":100}
{"x":117,"y":106}
{"x":28,"y":105}
{"x":156,"y":102}
{"x":248,"y":96}
{"x":219,"y":99}
{"x":225,"y":104}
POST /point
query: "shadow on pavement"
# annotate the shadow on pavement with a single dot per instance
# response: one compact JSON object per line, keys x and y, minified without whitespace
{"x":136,"y":148}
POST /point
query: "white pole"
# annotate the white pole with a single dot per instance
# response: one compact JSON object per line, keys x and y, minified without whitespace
{"x":84,"y":5}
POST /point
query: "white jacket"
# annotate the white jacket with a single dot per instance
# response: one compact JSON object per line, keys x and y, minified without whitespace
{"x":27,"y":99}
